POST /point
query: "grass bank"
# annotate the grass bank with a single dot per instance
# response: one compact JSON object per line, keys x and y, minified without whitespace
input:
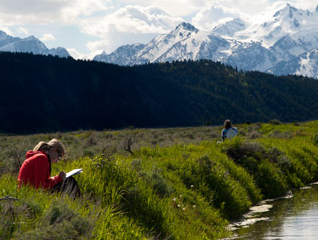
{"x":157,"y":183}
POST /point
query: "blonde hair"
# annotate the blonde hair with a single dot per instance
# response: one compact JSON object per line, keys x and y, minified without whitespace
{"x":54,"y":143}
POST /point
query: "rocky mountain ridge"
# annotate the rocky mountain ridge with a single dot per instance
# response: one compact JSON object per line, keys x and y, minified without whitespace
{"x":284,"y":43}
{"x":28,"y":45}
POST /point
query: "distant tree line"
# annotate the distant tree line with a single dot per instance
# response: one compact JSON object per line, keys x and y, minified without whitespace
{"x":46,"y":93}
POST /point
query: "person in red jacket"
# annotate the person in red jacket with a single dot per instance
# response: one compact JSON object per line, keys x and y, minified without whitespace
{"x":36,"y":169}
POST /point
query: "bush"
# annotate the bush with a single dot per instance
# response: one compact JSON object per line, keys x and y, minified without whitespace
{"x":275,"y":122}
{"x":271,"y":181}
{"x":315,"y":139}
{"x":239,"y":151}
{"x":59,"y":222}
{"x":218,"y":185}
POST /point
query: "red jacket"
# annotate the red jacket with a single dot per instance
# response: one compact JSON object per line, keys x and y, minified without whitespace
{"x":36,"y":170}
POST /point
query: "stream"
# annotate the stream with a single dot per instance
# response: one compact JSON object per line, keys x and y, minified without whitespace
{"x":294,"y":217}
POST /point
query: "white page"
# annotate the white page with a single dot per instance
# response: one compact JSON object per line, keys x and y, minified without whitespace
{"x":74,"y":172}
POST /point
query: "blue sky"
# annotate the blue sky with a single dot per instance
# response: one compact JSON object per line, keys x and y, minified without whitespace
{"x":88,"y":26}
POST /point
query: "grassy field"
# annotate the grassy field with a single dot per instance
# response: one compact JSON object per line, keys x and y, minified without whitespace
{"x":174,"y":183}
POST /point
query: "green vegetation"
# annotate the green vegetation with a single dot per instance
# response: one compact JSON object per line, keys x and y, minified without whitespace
{"x":172,"y":183}
{"x":48,"y":94}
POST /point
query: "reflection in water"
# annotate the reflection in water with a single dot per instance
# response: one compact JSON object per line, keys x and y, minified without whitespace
{"x":292,"y":218}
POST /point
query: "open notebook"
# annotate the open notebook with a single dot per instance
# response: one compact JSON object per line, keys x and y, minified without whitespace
{"x":74,"y":172}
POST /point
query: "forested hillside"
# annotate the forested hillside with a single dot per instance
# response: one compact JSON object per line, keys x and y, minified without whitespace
{"x":43,"y":94}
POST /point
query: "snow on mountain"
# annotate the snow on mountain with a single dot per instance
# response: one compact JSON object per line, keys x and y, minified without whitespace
{"x":305,"y":64}
{"x":229,"y":28}
{"x":286,"y":42}
{"x":185,"y":42}
{"x":124,"y":55}
{"x":59,"y":51}
{"x":286,"y":21}
{"x":164,"y":47}
{"x":28,"y":45}
{"x":308,"y":64}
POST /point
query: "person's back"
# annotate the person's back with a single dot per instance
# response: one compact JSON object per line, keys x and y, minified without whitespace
{"x":35,"y":171}
{"x":231,"y":132}
{"x":228,"y":132}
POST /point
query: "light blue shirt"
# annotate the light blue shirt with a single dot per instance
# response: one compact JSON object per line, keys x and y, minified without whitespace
{"x":224,"y":132}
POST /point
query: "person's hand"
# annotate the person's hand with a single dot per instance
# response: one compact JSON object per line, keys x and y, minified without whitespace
{"x":62,"y":174}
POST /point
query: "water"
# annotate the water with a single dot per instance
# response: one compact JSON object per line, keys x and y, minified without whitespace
{"x":294,"y":217}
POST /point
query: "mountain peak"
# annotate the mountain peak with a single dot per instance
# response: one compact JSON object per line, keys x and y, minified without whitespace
{"x":28,"y":44}
{"x":288,"y":11}
{"x":187,"y":26}
{"x":3,"y":33}
{"x":262,"y":44}
{"x":229,"y":28}
{"x":32,"y":38}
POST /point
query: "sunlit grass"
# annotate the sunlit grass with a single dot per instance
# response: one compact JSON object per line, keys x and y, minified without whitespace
{"x":174,"y":184}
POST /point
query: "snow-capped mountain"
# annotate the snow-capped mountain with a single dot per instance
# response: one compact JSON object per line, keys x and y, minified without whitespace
{"x":284,"y":43}
{"x":229,"y":28}
{"x":185,"y":42}
{"x":28,"y":45}
{"x":305,"y":64}
{"x":124,"y":55}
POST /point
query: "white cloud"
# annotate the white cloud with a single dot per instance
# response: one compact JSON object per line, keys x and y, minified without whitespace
{"x":77,"y":55}
{"x":182,"y":8}
{"x":19,"y":7}
{"x":132,"y":19}
{"x":127,"y":24}
{"x":17,"y":12}
{"x":22,"y":31}
{"x":310,"y":5}
{"x":14,"y":12}
{"x":6,"y":30}
{"x":47,"y":37}
{"x":178,"y":8}
{"x":118,"y":22}
{"x":102,"y":44}
{"x":209,"y":17}
{"x":250,"y":7}
{"x":83,"y":8}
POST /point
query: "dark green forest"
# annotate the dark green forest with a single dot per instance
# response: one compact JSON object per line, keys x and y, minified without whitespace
{"x":46,"y":94}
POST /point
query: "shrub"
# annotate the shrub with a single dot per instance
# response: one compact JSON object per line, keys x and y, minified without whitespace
{"x":143,"y":206}
{"x":254,"y":135}
{"x":279,"y":134}
{"x":225,"y":192}
{"x":271,"y":181}
{"x":59,"y":222}
{"x":239,"y":151}
{"x":30,"y":213}
{"x":275,"y":122}
{"x":265,"y":165}
{"x":315,"y":139}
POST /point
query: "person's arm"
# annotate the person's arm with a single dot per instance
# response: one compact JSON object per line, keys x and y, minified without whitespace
{"x":42,"y":174}
{"x":62,"y":174}
{"x":223,"y":134}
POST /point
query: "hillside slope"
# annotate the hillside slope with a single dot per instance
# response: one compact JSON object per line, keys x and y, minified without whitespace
{"x":42,"y":94}
{"x":178,"y":190}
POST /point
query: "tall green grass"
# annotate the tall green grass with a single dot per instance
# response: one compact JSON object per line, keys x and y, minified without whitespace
{"x":173,"y":184}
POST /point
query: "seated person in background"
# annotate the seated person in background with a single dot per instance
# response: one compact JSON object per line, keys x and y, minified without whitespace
{"x":228,"y":132}
{"x":36,"y":169}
